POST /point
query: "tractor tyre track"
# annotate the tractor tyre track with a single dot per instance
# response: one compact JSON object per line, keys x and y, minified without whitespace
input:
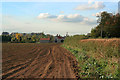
{"x":48,"y":61}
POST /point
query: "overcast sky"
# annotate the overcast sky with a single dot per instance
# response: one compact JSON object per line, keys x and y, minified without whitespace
{"x":53,"y":17}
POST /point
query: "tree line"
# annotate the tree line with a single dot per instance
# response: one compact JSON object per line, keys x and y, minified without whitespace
{"x":27,"y":38}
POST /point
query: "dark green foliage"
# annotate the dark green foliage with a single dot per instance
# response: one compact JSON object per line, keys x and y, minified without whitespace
{"x":109,"y":24}
{"x":6,"y":38}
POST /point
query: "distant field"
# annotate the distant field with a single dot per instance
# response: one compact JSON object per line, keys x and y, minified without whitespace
{"x":98,"y":58}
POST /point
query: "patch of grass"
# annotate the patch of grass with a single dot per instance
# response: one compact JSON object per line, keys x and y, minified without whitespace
{"x":97,"y":58}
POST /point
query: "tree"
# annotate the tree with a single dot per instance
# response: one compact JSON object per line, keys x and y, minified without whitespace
{"x":6,"y":38}
{"x":108,"y":26}
{"x":51,"y":38}
{"x":95,"y":32}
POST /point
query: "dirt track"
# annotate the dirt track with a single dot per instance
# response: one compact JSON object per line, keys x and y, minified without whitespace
{"x":38,"y":61}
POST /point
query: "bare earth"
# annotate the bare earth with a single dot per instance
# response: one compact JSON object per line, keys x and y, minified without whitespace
{"x":25,"y":60}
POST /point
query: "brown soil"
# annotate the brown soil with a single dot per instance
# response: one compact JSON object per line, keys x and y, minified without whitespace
{"x":37,"y":61}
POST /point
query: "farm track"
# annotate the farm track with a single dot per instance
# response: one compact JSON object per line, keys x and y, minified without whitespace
{"x":48,"y":61}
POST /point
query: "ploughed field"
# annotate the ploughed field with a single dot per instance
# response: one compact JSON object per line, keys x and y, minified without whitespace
{"x":31,"y":60}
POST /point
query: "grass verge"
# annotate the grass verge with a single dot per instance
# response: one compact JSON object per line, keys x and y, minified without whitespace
{"x":98,"y":58}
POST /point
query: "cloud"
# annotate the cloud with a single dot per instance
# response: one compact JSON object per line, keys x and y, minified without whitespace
{"x":97,"y":14}
{"x":64,"y":18}
{"x":72,"y":18}
{"x":45,"y":15}
{"x":97,"y":5}
{"x":16,"y":24}
{"x":90,"y":1}
{"x":89,"y":21}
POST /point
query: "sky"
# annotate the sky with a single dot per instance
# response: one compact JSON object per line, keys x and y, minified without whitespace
{"x":74,"y":17}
